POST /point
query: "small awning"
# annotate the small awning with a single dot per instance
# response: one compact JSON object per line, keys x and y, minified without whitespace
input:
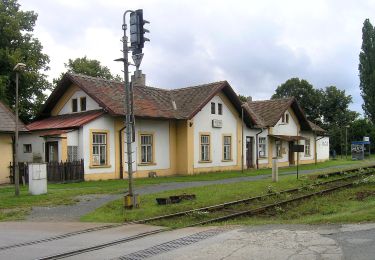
{"x":288,"y":138}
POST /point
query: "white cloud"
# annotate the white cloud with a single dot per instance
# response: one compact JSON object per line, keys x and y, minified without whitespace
{"x":255,"y":45}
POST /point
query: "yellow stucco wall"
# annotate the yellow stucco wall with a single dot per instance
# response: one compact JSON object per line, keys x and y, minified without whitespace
{"x":6,"y":156}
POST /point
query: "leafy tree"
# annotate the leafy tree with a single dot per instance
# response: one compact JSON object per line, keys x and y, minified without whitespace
{"x":242,"y":98}
{"x":336,"y":116}
{"x":335,"y":107}
{"x":367,"y":69}
{"x":17,"y":44}
{"x":307,"y":96}
{"x":88,"y":67}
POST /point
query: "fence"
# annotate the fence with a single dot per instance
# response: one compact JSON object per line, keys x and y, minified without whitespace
{"x":56,"y":172}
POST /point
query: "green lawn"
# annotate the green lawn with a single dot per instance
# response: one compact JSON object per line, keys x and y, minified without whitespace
{"x":13,"y":208}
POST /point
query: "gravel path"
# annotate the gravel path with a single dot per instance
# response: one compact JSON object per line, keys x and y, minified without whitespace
{"x":88,"y":203}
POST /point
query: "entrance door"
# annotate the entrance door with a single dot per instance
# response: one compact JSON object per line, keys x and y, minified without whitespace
{"x":291,"y":154}
{"x":249,"y":151}
{"x":52,"y":151}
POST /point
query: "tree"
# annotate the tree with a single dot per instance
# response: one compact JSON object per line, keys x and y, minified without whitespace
{"x":367,"y":69}
{"x":307,"y":96}
{"x":242,"y":98}
{"x":336,"y":116}
{"x":88,"y":67}
{"x":335,"y":107}
{"x":17,"y":44}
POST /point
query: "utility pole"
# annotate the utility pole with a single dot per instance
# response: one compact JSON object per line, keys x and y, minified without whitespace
{"x":137,"y":40}
{"x":19,"y":67}
{"x":346,"y":142}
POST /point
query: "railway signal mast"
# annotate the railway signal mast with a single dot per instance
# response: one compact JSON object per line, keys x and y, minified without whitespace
{"x":137,"y":41}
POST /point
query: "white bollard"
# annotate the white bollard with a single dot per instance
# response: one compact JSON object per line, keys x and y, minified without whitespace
{"x":275,"y":170}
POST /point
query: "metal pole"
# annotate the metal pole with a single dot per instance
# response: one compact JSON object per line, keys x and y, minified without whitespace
{"x":346,"y":143}
{"x":242,"y":157}
{"x":129,"y":116}
{"x":16,"y":168}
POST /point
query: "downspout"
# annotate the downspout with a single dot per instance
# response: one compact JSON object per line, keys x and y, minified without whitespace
{"x":121,"y":165}
{"x":257,"y":146}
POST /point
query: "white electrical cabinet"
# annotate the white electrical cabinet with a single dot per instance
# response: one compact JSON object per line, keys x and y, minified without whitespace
{"x":37,"y":178}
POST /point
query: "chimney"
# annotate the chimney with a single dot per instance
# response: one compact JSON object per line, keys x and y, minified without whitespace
{"x":139,"y":79}
{"x":249,"y":99}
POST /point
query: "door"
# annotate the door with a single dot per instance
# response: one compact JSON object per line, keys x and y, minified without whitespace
{"x":291,"y":153}
{"x":52,"y":151}
{"x":249,"y":151}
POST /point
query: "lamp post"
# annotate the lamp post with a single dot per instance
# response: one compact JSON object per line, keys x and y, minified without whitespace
{"x":346,"y":142}
{"x":19,"y":67}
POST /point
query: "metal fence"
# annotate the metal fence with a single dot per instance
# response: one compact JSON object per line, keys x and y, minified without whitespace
{"x":56,"y":172}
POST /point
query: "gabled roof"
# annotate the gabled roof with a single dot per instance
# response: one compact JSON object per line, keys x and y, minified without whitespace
{"x":8,"y":120}
{"x":316,"y":128}
{"x":269,"y":112}
{"x":67,"y":121}
{"x":149,"y":102}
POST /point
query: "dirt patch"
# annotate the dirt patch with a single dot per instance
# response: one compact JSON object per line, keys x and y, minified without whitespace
{"x":361,"y":195}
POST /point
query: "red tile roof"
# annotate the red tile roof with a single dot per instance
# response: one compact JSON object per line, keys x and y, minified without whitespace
{"x":149,"y":102}
{"x":268,"y":112}
{"x":8,"y":120}
{"x":67,"y":121}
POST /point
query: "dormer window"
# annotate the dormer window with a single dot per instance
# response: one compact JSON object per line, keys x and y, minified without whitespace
{"x":83,"y":103}
{"x":74,"y":105}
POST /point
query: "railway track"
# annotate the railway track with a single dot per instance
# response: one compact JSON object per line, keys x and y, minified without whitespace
{"x":333,"y":185}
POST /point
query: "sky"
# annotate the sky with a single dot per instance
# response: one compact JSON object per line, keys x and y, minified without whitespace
{"x":254,"y":45}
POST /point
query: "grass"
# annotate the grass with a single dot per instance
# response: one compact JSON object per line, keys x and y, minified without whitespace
{"x":16,"y":208}
{"x":338,"y":207}
{"x":207,"y":195}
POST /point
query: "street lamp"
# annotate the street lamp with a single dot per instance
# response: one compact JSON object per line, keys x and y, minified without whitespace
{"x":346,"y":142}
{"x":19,"y":67}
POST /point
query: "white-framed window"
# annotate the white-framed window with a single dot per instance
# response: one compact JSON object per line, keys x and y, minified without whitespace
{"x":213,"y":108}
{"x":227,"y":148}
{"x":205,"y":147}
{"x":278,"y":146}
{"x":27,"y":148}
{"x":287,"y":118}
{"x":219,"y":108}
{"x":99,"y":149}
{"x":146,"y":148}
{"x":307,"y":147}
{"x":72,"y":153}
{"x":262,"y":147}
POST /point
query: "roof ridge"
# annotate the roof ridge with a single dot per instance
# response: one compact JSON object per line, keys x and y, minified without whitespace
{"x":92,"y":77}
{"x":271,"y":100}
{"x":199,"y":86}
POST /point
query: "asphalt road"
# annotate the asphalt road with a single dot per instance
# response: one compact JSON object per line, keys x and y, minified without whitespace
{"x":234,"y":242}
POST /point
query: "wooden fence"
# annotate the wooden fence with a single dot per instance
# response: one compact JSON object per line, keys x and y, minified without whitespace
{"x":56,"y":172}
